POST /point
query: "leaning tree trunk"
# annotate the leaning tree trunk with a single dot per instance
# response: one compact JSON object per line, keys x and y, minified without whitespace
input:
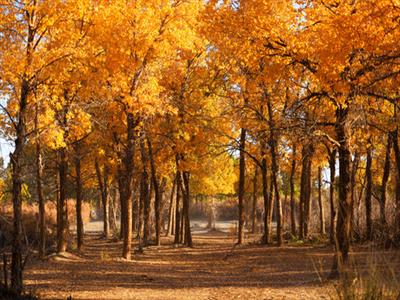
{"x":332,"y":168}
{"x":241,"y":185}
{"x":145,"y":194}
{"x":385,"y":179}
{"x":368,"y":194}
{"x":292,"y":201}
{"x":78,"y":178}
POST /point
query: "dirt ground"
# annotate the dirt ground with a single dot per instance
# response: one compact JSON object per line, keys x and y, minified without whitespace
{"x":213,"y":269}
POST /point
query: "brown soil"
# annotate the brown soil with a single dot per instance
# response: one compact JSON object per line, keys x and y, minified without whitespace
{"x":211,"y":270}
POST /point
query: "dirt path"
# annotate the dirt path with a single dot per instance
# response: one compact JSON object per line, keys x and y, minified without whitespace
{"x":209,"y":271}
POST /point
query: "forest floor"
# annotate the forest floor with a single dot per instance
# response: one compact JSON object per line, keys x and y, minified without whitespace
{"x":213,"y":269}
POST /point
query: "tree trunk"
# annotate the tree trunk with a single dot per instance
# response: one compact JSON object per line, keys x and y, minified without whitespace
{"x":186,"y":207}
{"x":241,"y":186}
{"x":15,"y":158}
{"x":396,"y":149}
{"x":102,"y":179}
{"x":170,"y":227}
{"x":321,"y":205}
{"x":275,"y":171}
{"x":39,"y":190}
{"x":121,"y":189}
{"x":385,"y":179}
{"x":343,"y":226}
{"x":264,"y":177}
{"x":177,"y":207}
{"x":157,"y":196}
{"x":305,"y":190}
{"x":62,"y":217}
{"x":78,"y":178}
{"x":128,"y":163}
{"x":254,"y":208}
{"x":292,"y":201}
{"x":368,"y":194}
{"x":145,"y":194}
{"x":332,"y":168}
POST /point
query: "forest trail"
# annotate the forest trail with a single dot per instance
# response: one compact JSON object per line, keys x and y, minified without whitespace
{"x":211,"y":270}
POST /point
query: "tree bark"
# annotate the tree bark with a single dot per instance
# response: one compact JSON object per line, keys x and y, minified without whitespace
{"x":241,"y":186}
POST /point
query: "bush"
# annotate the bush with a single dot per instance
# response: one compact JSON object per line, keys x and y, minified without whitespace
{"x":30,"y":220}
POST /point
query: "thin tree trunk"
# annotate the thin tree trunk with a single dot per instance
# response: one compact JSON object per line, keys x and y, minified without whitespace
{"x":241,"y":186}
{"x":385,"y":179}
{"x":396,"y":148}
{"x":321,"y":205}
{"x":39,"y":190}
{"x":368,"y":194}
{"x":171,"y":210}
{"x":254,"y":208}
{"x":157,"y":196}
{"x":332,"y":168}
{"x":186,"y":206}
{"x":145,"y":194}
{"x":62,"y":205}
{"x":292,"y":200}
{"x":177,"y":207}
{"x":264,"y":176}
{"x":78,"y":182}
{"x":102,"y":179}
{"x":128,"y":163}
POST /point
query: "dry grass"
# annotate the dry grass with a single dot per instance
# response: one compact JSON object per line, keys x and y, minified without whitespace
{"x":30,"y":217}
